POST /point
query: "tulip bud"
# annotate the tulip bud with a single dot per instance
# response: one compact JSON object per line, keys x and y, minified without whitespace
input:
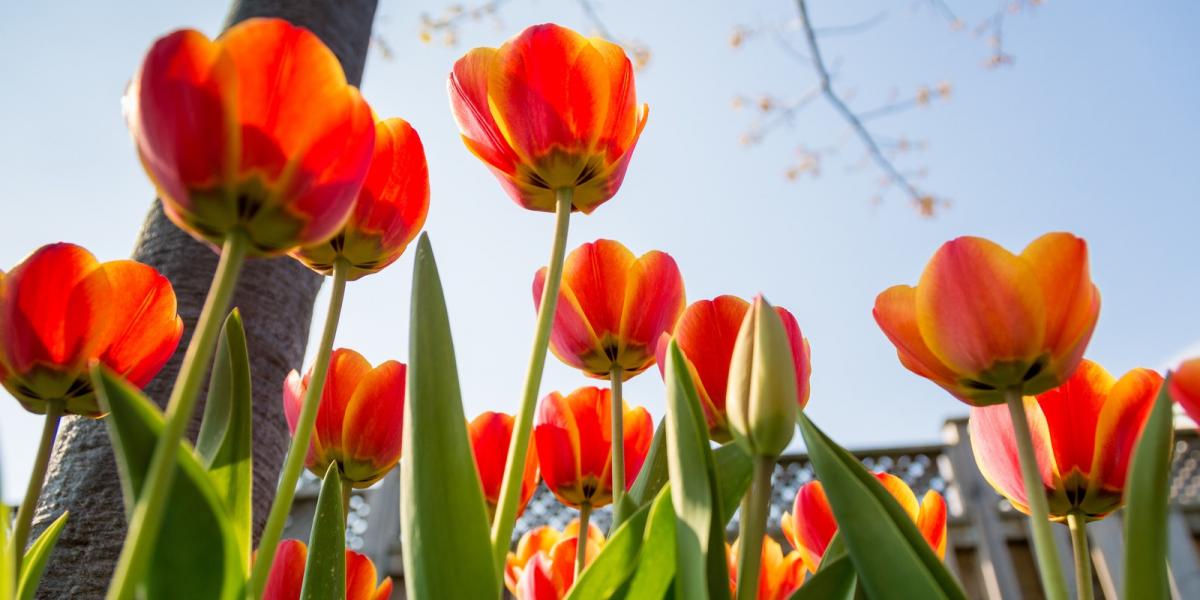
{"x":762,"y":401}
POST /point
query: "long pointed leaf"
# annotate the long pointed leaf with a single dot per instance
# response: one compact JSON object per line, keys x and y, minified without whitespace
{"x":836,"y":580}
{"x":734,"y":472}
{"x":325,"y":567}
{"x":615,"y":563}
{"x":1148,"y":486}
{"x":444,"y":522}
{"x":8,"y":579}
{"x":656,"y":568}
{"x":34,"y":562}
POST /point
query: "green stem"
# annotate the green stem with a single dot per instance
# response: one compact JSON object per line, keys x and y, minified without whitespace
{"x":347,"y":492}
{"x":581,"y":540}
{"x":1053,"y":584}
{"x":618,"y":438}
{"x":285,"y":492}
{"x":753,"y":525}
{"x":54,"y":412}
{"x":506,"y":511}
{"x":148,"y":512}
{"x":1083,"y":557}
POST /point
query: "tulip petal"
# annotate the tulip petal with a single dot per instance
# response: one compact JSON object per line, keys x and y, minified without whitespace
{"x":360,"y":577}
{"x":287,"y":571}
{"x":144,"y":326}
{"x":654,"y":300}
{"x":346,"y":369}
{"x":932,"y":521}
{"x":1060,"y":261}
{"x":896,"y":313}
{"x":1185,"y":387}
{"x":572,"y":338}
{"x":901,"y":492}
{"x":622,"y":121}
{"x":372,"y":429}
{"x":639,"y":432}
{"x":814,"y":523}
{"x":1072,"y":412}
{"x":598,"y":274}
{"x":706,"y":334}
{"x":1120,"y":426}
{"x":468,"y":87}
{"x":536,"y":581}
{"x":994,"y":444}
{"x":557,"y":439}
{"x":801,"y":354}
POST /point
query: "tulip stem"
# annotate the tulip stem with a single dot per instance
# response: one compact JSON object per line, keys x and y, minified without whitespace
{"x":581,"y":538}
{"x":518,"y":448}
{"x":293,"y":465}
{"x":54,"y":412}
{"x":147,"y":516}
{"x":1083,"y":558}
{"x":347,"y":493}
{"x":1053,"y":584}
{"x":618,"y":439}
{"x":753,"y":524}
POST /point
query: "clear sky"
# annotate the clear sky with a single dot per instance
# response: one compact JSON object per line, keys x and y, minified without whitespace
{"x":1092,"y":130}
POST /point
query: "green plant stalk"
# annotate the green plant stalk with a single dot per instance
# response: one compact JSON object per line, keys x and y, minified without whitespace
{"x":752,"y":527}
{"x":506,"y":510}
{"x":1083,"y":557}
{"x":1053,"y":584}
{"x":293,"y":465}
{"x":347,"y":492}
{"x":618,"y":437}
{"x":54,"y":412}
{"x":148,"y":512}
{"x":581,"y":538}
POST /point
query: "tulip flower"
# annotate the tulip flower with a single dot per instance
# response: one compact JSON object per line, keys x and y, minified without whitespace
{"x":60,"y":310}
{"x":256,"y":132}
{"x":490,"y":434}
{"x":761,"y":398}
{"x":779,"y":576}
{"x":810,"y":526}
{"x":1026,"y":334}
{"x":287,"y":575}
{"x":550,"y":110}
{"x":543,"y":541}
{"x":390,"y":209}
{"x":1185,"y":387}
{"x":1084,"y":433}
{"x":359,"y":420}
{"x":706,"y":334}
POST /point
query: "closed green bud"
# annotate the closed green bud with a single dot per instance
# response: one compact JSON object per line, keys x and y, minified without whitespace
{"x":761,"y":401}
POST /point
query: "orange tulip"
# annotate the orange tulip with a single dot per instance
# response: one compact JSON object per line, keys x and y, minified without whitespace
{"x":779,"y":576}
{"x":359,"y":420}
{"x":612,"y":308}
{"x":549,"y":109}
{"x":60,"y":310}
{"x":706,"y":334}
{"x":1084,"y":433}
{"x":557,"y":548}
{"x":490,"y":434}
{"x":573,"y":436}
{"x":1185,"y":387}
{"x":983,"y":321}
{"x":390,"y":209}
{"x":256,"y":131}
{"x":287,"y":575}
{"x":811,"y":525}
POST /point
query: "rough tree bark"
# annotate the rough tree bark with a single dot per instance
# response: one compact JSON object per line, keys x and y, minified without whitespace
{"x":276,"y":298}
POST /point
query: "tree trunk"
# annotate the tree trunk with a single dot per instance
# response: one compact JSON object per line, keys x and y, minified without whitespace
{"x":276,"y":299}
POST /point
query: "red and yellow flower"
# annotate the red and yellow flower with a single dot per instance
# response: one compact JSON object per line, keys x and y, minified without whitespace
{"x":780,"y":575}
{"x":490,"y":434}
{"x":557,"y":550}
{"x":390,"y":209}
{"x":256,"y":131}
{"x":548,"y":110}
{"x":1084,"y":432}
{"x":983,"y":321}
{"x":60,"y":310}
{"x":573,"y":436}
{"x":706,"y":334}
{"x":811,"y":525}
{"x":612,"y":308}
{"x":1185,"y":387}
{"x":287,"y":575}
{"x":359,"y":420}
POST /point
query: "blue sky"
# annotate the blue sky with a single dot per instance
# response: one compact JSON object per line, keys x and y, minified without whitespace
{"x":1092,"y":130}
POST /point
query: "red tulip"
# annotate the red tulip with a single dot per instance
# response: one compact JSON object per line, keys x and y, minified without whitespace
{"x":550,"y":109}
{"x":779,"y":576}
{"x":287,"y":575}
{"x":983,"y":320}
{"x":490,"y":434}
{"x":390,"y":209}
{"x":360,"y":418}
{"x":1185,"y":387}
{"x":612,"y":308}
{"x":706,"y":334}
{"x":557,"y":550}
{"x":811,"y":525}
{"x":1084,"y":433}
{"x":60,"y":310}
{"x":256,"y":131}
{"x":573,"y":435}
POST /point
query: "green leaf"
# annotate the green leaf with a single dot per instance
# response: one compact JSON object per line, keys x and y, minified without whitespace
{"x":1148,"y":490}
{"x":8,"y":583}
{"x":444,"y":522}
{"x":890,"y":555}
{"x":325,"y":568}
{"x":654,"y":474}
{"x":656,"y":568}
{"x":735,"y":469}
{"x":609,"y":570}
{"x":196,"y":555}
{"x":34,"y":562}
{"x":225,"y":439}
{"x":835,"y":580}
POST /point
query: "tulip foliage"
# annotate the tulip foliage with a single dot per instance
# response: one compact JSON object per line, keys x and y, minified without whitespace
{"x":259,"y":147}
